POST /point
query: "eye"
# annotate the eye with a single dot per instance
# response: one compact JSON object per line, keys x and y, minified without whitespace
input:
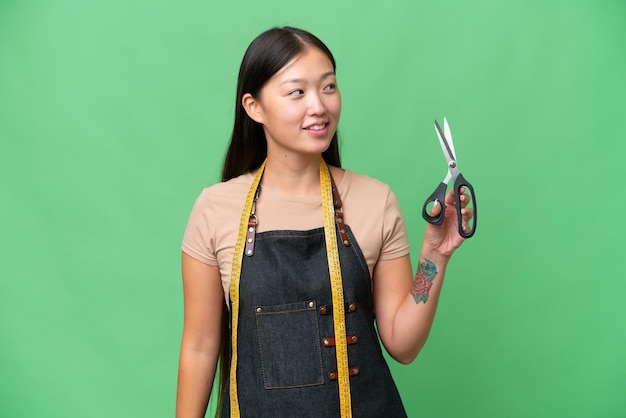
{"x":330,"y":87}
{"x":297,"y":92}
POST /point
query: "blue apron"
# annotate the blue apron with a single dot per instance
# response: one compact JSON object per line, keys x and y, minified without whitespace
{"x":287,"y":364}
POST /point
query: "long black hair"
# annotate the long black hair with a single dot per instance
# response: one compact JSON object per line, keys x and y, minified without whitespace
{"x":265,"y":56}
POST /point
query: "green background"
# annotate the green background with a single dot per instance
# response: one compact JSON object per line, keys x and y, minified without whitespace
{"x":114,"y":114}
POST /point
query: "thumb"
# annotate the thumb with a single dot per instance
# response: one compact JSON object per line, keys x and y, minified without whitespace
{"x":436,"y":209}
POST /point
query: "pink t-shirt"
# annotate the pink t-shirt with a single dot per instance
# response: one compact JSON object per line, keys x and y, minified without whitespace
{"x":370,"y":208}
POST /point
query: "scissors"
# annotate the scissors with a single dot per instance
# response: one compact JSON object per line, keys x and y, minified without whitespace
{"x":438,"y":196}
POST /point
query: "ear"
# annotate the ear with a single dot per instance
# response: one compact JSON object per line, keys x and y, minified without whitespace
{"x":252,"y":108}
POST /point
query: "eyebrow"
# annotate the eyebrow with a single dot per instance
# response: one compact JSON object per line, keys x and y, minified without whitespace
{"x":300,"y":80}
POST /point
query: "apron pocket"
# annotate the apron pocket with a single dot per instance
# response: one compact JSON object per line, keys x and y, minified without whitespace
{"x":289,"y":345}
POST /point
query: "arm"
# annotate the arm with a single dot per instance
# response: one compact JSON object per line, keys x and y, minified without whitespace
{"x":405,"y":305}
{"x":200,"y":345}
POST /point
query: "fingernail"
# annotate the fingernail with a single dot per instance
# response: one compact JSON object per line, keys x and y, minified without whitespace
{"x":435,"y":204}
{"x":462,"y":197}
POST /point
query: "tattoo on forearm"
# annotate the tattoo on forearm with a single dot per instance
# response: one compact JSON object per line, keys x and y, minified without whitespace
{"x":426,"y":272}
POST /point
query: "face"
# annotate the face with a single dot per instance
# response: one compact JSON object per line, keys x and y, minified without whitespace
{"x":299,"y":106}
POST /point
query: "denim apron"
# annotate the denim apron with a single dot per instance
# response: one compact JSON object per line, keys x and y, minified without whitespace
{"x":287,"y":364}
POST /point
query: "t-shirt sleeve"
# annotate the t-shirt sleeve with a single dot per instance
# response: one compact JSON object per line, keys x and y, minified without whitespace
{"x":199,"y":237}
{"x":395,"y":238}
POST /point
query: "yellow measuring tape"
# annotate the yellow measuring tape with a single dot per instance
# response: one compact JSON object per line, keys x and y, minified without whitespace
{"x":336,"y":284}
{"x":235,"y":275}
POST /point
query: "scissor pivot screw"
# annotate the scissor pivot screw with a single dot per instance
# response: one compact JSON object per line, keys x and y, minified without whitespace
{"x":452,"y":164}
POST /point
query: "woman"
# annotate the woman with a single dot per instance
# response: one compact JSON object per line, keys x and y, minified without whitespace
{"x":297,"y":254}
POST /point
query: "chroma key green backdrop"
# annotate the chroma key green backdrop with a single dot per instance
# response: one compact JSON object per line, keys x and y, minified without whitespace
{"x":114,"y":114}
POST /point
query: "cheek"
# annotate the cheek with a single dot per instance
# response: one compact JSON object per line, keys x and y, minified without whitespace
{"x":291,"y":113}
{"x":334,"y":105}
{"x":282,"y":114}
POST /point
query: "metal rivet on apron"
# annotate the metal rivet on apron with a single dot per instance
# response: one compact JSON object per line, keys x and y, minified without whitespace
{"x":352,"y":307}
{"x":332,"y":376}
{"x":346,"y":242}
{"x":251,"y":229}
{"x":325,"y":341}
{"x":354,"y":371}
{"x":249,"y":251}
{"x":311,"y":304}
{"x":258,"y":310}
{"x":354,"y":338}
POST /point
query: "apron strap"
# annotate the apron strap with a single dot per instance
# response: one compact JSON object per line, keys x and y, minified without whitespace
{"x":339,"y":213}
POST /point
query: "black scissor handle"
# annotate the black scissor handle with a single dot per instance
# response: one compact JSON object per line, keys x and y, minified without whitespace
{"x":460,"y":183}
{"x":439,"y":195}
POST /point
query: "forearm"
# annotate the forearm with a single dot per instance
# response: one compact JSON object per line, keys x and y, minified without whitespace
{"x":406,"y":302}
{"x":196,"y":373}
{"x":416,"y":313}
{"x":200,"y":347}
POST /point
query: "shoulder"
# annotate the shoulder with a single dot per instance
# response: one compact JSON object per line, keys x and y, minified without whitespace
{"x":220,"y":201}
{"x":355,"y":183}
{"x":225,"y":194}
{"x":373,"y":213}
{"x":365,"y":196}
{"x":214,"y":218}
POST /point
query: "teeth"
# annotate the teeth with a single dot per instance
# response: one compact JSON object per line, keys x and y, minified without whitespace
{"x":317,"y":127}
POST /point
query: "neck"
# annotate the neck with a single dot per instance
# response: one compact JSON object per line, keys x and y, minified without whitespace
{"x":295,"y":178}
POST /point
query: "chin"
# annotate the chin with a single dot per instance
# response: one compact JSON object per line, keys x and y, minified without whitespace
{"x":320,"y":148}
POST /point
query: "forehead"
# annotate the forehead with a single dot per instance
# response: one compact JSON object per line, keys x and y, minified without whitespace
{"x":312,"y":63}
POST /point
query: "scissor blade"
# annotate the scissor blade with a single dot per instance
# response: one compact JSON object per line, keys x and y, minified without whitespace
{"x":448,"y":178}
{"x":444,"y":144}
{"x":448,"y":135}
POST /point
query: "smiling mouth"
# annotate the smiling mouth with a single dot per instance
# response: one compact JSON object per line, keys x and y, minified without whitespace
{"x":316,"y":127}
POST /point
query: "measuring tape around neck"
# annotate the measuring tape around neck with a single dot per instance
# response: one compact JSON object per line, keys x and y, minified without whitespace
{"x":332,"y":254}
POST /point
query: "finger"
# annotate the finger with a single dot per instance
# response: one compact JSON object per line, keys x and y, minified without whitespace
{"x":450,"y":198}
{"x":436,"y":209}
{"x":465,"y":199}
{"x":466,"y":220}
{"x":467,"y":214}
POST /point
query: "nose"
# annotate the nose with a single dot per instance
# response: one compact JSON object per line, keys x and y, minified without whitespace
{"x":316,"y":104}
